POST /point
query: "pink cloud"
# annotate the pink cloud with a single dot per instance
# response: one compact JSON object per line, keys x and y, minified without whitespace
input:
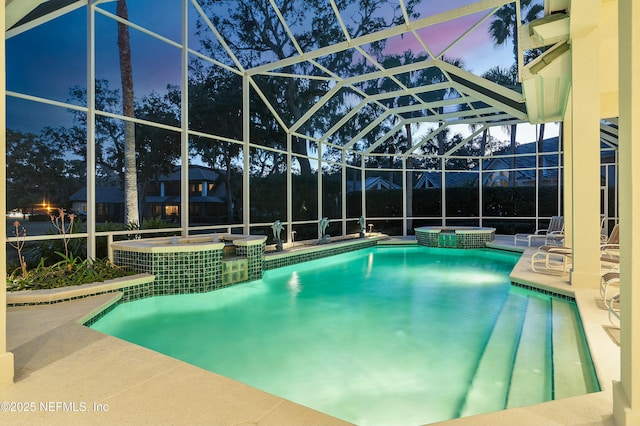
{"x":476,"y":49}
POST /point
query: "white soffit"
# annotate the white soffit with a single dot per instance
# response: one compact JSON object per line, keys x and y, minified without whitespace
{"x":15,"y":10}
{"x":551,"y":27}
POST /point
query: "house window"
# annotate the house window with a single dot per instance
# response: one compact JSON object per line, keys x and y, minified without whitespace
{"x":195,"y":188}
{"x":171,"y":210}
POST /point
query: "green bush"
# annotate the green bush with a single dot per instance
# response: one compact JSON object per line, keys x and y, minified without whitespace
{"x":67,"y":272}
{"x":509,"y":201}
{"x":49,"y":252}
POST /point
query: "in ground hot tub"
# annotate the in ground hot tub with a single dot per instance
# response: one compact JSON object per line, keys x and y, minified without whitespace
{"x":461,"y":237}
{"x":193,"y":264}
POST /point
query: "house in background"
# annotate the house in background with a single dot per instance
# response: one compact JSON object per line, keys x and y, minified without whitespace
{"x":371,"y":184}
{"x":428,"y":180}
{"x":109,"y":204}
{"x":496,"y":171}
{"x":207,"y":196}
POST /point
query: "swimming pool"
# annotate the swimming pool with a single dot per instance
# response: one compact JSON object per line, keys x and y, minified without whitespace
{"x":402,"y":335}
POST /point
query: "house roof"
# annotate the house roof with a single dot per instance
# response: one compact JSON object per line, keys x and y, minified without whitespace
{"x":433,"y":179}
{"x":160,"y":199}
{"x":176,"y":199}
{"x":372,"y":183}
{"x":196,"y":173}
{"x":525,"y":161}
{"x":207,"y":199}
{"x":104,"y":195}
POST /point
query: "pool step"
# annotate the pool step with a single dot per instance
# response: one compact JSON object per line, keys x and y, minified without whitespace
{"x":488,"y":391}
{"x":569,"y":356}
{"x":534,"y":355}
{"x":531,"y":382}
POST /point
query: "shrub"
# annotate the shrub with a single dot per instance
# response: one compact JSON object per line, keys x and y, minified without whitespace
{"x":67,"y":272}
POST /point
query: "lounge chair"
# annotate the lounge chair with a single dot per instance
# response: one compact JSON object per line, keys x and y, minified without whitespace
{"x":551,"y":260}
{"x":608,"y":279}
{"x":554,"y":238}
{"x":611,"y":248}
{"x":557,"y":260}
{"x":609,"y":263}
{"x":554,"y":234}
{"x":614,"y":310}
{"x":603,"y":231}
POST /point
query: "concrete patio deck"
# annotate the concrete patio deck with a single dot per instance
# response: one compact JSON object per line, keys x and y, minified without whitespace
{"x":75,"y":375}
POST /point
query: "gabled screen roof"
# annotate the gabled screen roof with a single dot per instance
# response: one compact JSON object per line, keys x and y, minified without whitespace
{"x":408,"y":61}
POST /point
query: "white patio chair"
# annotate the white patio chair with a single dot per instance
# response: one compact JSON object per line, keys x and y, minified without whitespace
{"x":552,"y":260}
{"x":608,"y":279}
{"x":611,"y":248}
{"x":554,"y":232}
{"x":614,"y":310}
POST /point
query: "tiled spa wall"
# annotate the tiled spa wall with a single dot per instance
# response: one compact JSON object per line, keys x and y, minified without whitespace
{"x":460,"y":240}
{"x":254,"y":254}
{"x":428,"y":239}
{"x":474,"y":240}
{"x":291,"y":258}
{"x":176,"y":272}
{"x":194,"y":271}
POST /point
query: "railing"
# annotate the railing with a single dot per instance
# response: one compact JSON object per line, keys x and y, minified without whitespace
{"x":371,"y":222}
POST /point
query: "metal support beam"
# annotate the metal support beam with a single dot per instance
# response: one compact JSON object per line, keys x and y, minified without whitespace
{"x":91,"y":134}
{"x":246,"y":138}
{"x":184,"y":123}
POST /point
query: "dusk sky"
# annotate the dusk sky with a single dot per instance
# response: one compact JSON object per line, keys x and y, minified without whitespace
{"x":48,"y":60}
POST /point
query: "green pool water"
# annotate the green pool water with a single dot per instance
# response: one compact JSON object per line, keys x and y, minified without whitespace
{"x":402,"y":335}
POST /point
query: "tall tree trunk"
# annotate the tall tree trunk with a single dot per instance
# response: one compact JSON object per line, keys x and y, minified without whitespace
{"x":409,"y":177}
{"x":483,"y":142}
{"x":298,"y":145}
{"x":441,"y":140}
{"x":228,"y":188}
{"x":540,"y":143}
{"x":132,"y":215}
{"x":512,"y":172}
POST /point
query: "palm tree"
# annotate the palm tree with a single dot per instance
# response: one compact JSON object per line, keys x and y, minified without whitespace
{"x":505,"y":27}
{"x":126,"y":75}
{"x":401,"y":101}
{"x":508,"y":78}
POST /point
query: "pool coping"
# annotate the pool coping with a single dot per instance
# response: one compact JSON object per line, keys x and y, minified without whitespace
{"x":594,"y":408}
{"x":353,"y":240}
{"x":64,"y":294}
